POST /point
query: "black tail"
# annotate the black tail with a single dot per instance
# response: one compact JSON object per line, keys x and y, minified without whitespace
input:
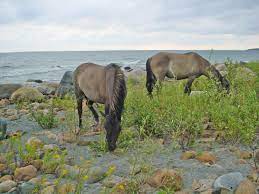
{"x":224,"y":82}
{"x":151,"y":79}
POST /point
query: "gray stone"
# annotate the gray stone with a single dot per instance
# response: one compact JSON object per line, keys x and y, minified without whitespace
{"x":7,"y":186}
{"x":220,"y":66}
{"x":112,"y":180}
{"x":48,"y":88}
{"x":197,"y":93}
{"x":3,"y":127}
{"x":228,"y":181}
{"x":6,"y":90}
{"x":34,"y":80}
{"x":65,"y":85}
{"x":96,"y":174}
{"x":27,"y":187}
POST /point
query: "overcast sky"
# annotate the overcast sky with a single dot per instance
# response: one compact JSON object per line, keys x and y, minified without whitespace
{"x":42,"y":25}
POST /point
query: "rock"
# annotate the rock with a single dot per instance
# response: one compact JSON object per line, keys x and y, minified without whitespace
{"x":37,"y":164}
{"x":228,"y":181}
{"x":135,"y":75}
{"x":2,"y":159}
{"x":257,"y":156}
{"x":6,"y":90}
{"x":220,"y":67}
{"x":68,"y":171}
{"x":166,"y":178}
{"x":247,"y":187}
{"x":197,"y":93}
{"x":48,"y":190}
{"x":128,"y":69}
{"x":48,"y":88}
{"x":254,"y":176}
{"x":27,"y":94}
{"x":5,"y":178}
{"x":112,"y":181}
{"x":65,"y":85}
{"x":3,"y":128}
{"x":25,"y":173}
{"x":27,"y":187}
{"x":188,"y":155}
{"x":4,"y":102}
{"x":50,"y":147}
{"x":244,"y":154}
{"x":7,"y":186}
{"x":96,"y":174}
{"x":35,"y":142}
{"x":66,"y":188}
{"x":35,"y":80}
{"x":3,"y":167}
{"x":10,"y":112}
{"x":206,"y":157}
{"x":202,"y":185}
{"x":13,"y":117}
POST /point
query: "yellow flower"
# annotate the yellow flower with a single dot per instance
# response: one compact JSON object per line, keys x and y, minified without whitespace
{"x":85,"y":177}
{"x":110,"y":170}
{"x":121,"y":186}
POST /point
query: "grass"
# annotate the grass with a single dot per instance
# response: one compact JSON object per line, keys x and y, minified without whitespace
{"x":171,"y":112}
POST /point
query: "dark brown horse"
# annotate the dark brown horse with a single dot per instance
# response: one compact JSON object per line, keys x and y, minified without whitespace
{"x":180,"y":66}
{"x":105,"y":85}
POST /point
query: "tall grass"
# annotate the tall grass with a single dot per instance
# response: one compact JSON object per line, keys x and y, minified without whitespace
{"x":173,"y":112}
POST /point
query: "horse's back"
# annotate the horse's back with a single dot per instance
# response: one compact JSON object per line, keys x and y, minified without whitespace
{"x":89,"y":78}
{"x":177,"y":65}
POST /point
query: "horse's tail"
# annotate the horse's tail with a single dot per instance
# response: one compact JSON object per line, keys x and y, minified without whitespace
{"x":224,"y":82}
{"x":151,"y":78}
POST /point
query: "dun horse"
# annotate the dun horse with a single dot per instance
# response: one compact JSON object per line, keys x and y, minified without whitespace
{"x":180,"y":66}
{"x":104,"y":85}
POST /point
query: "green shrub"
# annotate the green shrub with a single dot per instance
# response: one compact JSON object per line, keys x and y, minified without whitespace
{"x":45,"y":120}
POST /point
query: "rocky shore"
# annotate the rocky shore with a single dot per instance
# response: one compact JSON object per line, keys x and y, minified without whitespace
{"x":58,"y":160}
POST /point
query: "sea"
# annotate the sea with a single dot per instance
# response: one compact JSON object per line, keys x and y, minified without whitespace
{"x":50,"y":66}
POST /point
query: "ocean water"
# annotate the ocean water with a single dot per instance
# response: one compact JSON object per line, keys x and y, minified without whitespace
{"x":50,"y":66}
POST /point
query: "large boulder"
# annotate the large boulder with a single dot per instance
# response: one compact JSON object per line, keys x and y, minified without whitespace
{"x":65,"y":85}
{"x":222,"y":68}
{"x":228,"y":181}
{"x":7,"y":186}
{"x":6,"y":90}
{"x":3,"y":126}
{"x":48,"y":88}
{"x":27,"y":94}
{"x":25,"y":173}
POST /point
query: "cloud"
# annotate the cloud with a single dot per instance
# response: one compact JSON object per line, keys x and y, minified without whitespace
{"x":121,"y":24}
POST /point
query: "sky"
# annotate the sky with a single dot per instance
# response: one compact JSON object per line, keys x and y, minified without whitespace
{"x":58,"y":25}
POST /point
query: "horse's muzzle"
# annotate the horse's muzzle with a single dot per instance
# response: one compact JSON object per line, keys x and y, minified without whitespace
{"x":111,"y":147}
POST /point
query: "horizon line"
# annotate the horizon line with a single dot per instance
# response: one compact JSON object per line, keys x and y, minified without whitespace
{"x":37,"y":51}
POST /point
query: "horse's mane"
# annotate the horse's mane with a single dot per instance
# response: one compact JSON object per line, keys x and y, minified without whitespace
{"x":119,"y":91}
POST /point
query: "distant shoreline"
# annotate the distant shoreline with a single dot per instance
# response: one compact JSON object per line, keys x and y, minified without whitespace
{"x":125,"y":50}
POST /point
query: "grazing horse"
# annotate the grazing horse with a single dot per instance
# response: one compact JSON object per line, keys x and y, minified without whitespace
{"x":180,"y":66}
{"x":105,"y":85}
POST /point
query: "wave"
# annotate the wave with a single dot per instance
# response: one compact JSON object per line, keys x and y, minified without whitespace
{"x":31,"y":73}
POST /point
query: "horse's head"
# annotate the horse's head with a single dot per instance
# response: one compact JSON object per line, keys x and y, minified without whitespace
{"x":226,"y":84}
{"x":113,"y":130}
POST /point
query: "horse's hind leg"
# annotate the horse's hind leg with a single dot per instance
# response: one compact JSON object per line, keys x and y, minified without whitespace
{"x":91,"y":108}
{"x":187,"y":88}
{"x":79,"y":109}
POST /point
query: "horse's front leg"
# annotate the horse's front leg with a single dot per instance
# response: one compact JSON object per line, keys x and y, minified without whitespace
{"x":187,"y":88}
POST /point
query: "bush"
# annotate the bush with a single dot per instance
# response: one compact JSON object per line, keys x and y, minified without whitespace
{"x":45,"y":120}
